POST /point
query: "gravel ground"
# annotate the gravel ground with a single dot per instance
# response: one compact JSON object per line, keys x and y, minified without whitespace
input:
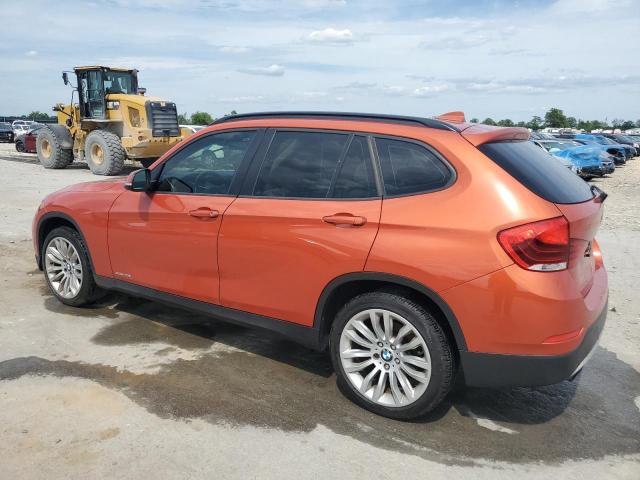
{"x":132,"y":387}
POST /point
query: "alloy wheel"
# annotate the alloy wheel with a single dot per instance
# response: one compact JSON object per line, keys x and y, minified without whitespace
{"x":63,"y":267}
{"x":385,"y":358}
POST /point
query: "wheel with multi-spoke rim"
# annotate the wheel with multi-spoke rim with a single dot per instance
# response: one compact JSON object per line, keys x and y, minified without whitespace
{"x":67,"y":268}
{"x":391,"y":355}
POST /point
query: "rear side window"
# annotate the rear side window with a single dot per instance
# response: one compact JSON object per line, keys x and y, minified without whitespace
{"x":354,"y":175}
{"x":409,"y":168}
{"x":538,"y":171}
{"x":316,"y":165}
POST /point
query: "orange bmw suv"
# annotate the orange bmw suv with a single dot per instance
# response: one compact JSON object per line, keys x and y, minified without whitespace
{"x":412,"y":249}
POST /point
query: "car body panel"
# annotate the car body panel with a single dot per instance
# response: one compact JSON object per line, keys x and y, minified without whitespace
{"x":174,"y":251}
{"x":277,"y":255}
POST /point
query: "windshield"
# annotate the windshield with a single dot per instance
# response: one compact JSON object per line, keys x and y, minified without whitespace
{"x":559,"y":145}
{"x":119,"y":82}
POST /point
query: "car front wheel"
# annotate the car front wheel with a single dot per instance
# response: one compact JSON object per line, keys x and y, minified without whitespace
{"x":391,"y":356}
{"x":67,"y":268}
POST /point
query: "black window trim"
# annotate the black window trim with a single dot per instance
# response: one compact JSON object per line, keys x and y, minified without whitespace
{"x":452,"y":179}
{"x":252,"y":175}
{"x":241,"y":172}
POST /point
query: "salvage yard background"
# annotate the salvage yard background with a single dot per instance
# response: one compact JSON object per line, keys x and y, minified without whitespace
{"x":134,"y":388}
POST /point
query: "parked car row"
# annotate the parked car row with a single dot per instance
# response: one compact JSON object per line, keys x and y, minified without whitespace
{"x":589,"y":155}
{"x":18,"y":128}
{"x":6,"y":133}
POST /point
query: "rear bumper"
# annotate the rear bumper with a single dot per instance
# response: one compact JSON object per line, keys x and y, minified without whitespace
{"x":498,"y":370}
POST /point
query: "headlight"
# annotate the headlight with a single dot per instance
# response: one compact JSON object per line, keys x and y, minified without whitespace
{"x":134,"y":117}
{"x":113,"y":105}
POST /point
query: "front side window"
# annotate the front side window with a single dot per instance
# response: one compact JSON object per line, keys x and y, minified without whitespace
{"x":409,"y":168}
{"x":207,"y":166}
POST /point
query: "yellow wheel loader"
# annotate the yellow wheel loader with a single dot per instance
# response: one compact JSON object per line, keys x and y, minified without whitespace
{"x":112,"y":120}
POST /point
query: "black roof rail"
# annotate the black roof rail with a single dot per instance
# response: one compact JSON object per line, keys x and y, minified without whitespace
{"x":374,"y":117}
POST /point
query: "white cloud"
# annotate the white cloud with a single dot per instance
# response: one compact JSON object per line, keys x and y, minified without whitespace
{"x":429,"y":90}
{"x":242,"y":99}
{"x":314,"y":94}
{"x":332,"y":36}
{"x":233,"y":49}
{"x":31,"y":53}
{"x":270,"y":71}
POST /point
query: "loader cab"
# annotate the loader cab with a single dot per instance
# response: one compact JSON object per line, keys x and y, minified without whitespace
{"x":94,"y":83}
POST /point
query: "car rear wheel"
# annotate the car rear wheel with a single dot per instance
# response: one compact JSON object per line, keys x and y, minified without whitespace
{"x":67,"y":268}
{"x":19,"y":146}
{"x":391,"y":356}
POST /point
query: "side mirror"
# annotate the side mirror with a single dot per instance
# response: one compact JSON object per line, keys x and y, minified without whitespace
{"x":139,"y":181}
{"x":142,"y":90}
{"x":65,"y":78}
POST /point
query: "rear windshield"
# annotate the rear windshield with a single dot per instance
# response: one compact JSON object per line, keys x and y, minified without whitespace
{"x":538,"y":171}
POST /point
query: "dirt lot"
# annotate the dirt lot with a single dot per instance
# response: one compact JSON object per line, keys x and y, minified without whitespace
{"x":132,"y":388}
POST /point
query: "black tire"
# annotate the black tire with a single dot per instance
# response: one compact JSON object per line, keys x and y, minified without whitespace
{"x":49,"y":146}
{"x":443,"y":363}
{"x":147,"y":162}
{"x":113,"y":153}
{"x":89,"y":291}
{"x":19,"y":146}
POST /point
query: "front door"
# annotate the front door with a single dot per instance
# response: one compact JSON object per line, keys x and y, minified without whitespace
{"x":167,"y":239}
{"x":308,"y":213}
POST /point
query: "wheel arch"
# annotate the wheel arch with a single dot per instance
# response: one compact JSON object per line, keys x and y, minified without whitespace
{"x":344,"y":287}
{"x":50,"y":221}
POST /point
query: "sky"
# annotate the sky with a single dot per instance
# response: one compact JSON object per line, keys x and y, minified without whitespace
{"x":488,"y":58}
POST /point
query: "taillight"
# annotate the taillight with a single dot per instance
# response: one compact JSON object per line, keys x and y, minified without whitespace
{"x":541,"y":246}
{"x":597,"y":254}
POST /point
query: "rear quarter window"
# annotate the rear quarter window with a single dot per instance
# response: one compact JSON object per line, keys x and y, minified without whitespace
{"x":409,"y":168}
{"x":538,"y":171}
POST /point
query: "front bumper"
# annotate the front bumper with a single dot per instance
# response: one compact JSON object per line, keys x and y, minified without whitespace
{"x":499,"y":370}
{"x":598,"y":171}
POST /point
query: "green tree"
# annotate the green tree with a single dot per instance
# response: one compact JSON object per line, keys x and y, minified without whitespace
{"x":555,"y":118}
{"x":474,"y":120}
{"x":489,"y":121}
{"x":572,"y":122}
{"x":38,"y":116}
{"x":506,"y":123}
{"x":627,"y":125}
{"x":201,"y":118}
{"x":535,"y":123}
{"x":521,"y":124}
{"x":183,"y":119}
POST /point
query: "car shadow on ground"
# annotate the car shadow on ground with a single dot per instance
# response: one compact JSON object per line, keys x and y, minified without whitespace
{"x":254,"y":377}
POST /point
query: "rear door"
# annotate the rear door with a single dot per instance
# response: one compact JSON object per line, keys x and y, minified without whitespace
{"x":168,"y":239}
{"x":308,"y":213}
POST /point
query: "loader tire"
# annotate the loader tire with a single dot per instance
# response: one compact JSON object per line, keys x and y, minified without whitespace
{"x":49,"y":146}
{"x":104,"y":153}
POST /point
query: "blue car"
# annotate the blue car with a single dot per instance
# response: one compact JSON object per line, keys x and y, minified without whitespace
{"x":620,"y":152}
{"x":589,"y":160}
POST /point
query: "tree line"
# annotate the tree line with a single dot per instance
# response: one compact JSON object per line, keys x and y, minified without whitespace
{"x":199,"y":118}
{"x":556,"y":118}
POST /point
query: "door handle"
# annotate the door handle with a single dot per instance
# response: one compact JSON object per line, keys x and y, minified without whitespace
{"x":204,"y":213}
{"x":345,"y":219}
